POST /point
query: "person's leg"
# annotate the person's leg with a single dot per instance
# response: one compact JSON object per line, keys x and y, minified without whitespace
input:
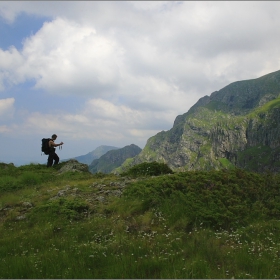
{"x":56,"y":158}
{"x":50,"y":159}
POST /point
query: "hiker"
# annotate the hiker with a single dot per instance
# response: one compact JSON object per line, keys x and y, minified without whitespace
{"x":52,"y":154}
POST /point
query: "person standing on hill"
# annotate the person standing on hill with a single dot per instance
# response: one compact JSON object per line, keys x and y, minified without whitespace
{"x":52,"y":155}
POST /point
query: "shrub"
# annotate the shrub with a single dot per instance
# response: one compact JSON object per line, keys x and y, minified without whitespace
{"x":218,"y":198}
{"x":99,"y":175}
{"x":30,"y":178}
{"x":148,"y":169}
{"x":8,"y":183}
{"x":69,"y":208}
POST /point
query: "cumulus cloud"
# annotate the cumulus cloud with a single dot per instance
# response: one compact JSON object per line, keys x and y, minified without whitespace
{"x":66,"y":58}
{"x":195,"y":47}
{"x":10,"y":60}
{"x":6,"y":109}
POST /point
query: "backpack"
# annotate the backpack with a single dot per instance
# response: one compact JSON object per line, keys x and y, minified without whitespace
{"x":45,"y":146}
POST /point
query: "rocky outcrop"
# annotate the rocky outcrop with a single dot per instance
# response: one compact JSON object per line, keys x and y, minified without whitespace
{"x":227,"y":141}
{"x":73,"y":166}
{"x":98,"y":192}
{"x":265,"y":129}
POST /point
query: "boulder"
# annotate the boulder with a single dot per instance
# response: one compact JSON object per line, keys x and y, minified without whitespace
{"x":27,"y":204}
{"x":73,"y":166}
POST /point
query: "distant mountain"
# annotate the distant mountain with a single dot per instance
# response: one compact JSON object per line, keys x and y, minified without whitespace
{"x":237,"y":126}
{"x":113,"y":159}
{"x":95,"y":154}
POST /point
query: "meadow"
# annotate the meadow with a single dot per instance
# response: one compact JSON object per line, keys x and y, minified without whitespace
{"x":147,"y":223}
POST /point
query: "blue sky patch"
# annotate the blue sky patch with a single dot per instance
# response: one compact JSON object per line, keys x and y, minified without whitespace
{"x":24,"y":26}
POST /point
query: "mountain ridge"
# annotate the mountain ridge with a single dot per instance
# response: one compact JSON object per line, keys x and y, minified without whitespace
{"x":218,"y":131}
{"x":113,"y":159}
{"x":95,"y":154}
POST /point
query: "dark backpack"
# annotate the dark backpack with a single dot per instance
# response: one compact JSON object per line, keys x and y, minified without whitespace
{"x":45,"y":146}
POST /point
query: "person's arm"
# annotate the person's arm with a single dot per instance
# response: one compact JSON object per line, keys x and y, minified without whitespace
{"x":52,"y":144}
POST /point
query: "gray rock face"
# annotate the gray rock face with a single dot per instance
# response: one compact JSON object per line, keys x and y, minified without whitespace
{"x":265,"y":129}
{"x":228,"y":140}
{"x":74,"y":166}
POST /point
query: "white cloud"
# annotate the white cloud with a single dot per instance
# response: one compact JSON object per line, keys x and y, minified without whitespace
{"x":6,"y":109}
{"x":193,"y":47}
{"x":7,"y":13}
{"x":66,"y":58}
{"x":99,"y":119}
{"x":10,"y":61}
{"x":69,"y":59}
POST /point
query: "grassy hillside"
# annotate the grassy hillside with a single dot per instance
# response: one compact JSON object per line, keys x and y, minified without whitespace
{"x":216,"y":224}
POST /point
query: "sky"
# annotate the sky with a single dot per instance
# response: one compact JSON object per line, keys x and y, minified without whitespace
{"x":118,"y":72}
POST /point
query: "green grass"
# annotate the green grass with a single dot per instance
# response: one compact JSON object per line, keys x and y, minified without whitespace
{"x":216,"y":224}
{"x":125,"y":166}
{"x":275,"y":103}
{"x":148,"y":169}
{"x":226,"y":163}
{"x":217,"y":106}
